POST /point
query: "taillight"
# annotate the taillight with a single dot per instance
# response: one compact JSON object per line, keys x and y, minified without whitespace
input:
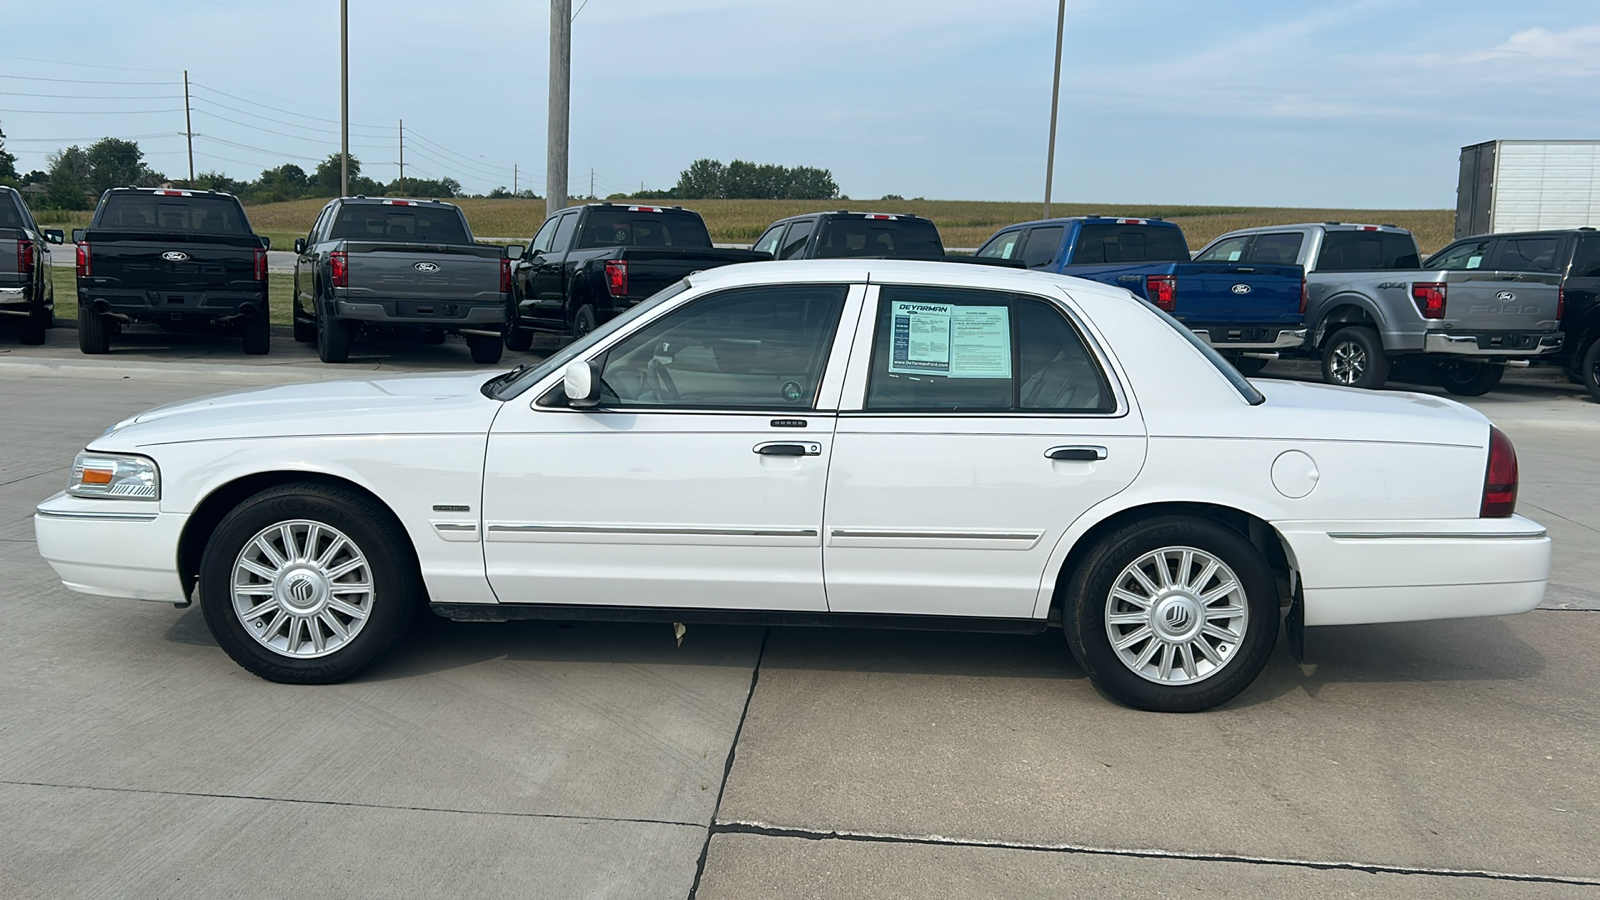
{"x":1500,"y":480}
{"x":83,"y":259}
{"x":1561,"y":302}
{"x":25,"y":257}
{"x":1305,"y":295}
{"x":261,"y":264}
{"x":1429,"y":297}
{"x":1162,"y":290}
{"x":505,"y":276}
{"x":339,"y":268}
{"x":617,"y":277}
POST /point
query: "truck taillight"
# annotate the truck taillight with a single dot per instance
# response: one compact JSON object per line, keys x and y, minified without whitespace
{"x":1305,"y":295}
{"x":617,"y":277}
{"x":261,"y":264}
{"x":1162,"y":290}
{"x":339,"y":268}
{"x":505,"y":276}
{"x":83,"y":259}
{"x":1429,"y":297}
{"x":1500,"y":479}
{"x":25,"y":257}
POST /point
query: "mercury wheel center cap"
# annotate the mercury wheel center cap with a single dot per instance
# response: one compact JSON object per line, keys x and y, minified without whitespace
{"x":1176,"y":618}
{"x":302,"y":590}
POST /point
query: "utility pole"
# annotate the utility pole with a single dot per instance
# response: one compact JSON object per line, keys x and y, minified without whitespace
{"x":591,"y":184}
{"x":560,"y":104}
{"x":513,"y":179}
{"x":344,"y":98}
{"x":403,"y":156}
{"x":1055,"y":102}
{"x":188,"y":126}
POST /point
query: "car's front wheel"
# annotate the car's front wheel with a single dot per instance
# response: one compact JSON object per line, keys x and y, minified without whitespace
{"x":256,"y":333}
{"x":94,"y":332}
{"x":485,"y":350}
{"x":1590,"y":369}
{"x":1172,"y":614}
{"x":333,"y":339}
{"x":307,"y":583}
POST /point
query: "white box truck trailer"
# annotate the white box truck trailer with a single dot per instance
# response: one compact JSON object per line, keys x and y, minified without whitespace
{"x":1528,"y":186}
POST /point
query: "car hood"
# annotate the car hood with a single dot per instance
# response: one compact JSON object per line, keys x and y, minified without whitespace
{"x":405,"y":404}
{"x":1327,"y":412}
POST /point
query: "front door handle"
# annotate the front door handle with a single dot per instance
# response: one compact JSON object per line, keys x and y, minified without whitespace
{"x":1076,"y":453}
{"x":789,"y":448}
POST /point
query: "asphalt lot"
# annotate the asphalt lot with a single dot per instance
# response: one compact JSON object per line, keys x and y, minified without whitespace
{"x":1438,"y":759}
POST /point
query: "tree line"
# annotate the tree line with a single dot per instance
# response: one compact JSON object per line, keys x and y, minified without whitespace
{"x":741,"y":180}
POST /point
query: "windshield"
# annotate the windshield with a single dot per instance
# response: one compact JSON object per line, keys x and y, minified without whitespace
{"x":1240,"y":383}
{"x":497,"y":391}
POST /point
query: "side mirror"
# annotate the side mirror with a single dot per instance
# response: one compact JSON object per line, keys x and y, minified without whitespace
{"x":55,"y":236}
{"x":513,"y":251}
{"x":581,"y":383}
{"x":77,"y":235}
{"x":299,"y":245}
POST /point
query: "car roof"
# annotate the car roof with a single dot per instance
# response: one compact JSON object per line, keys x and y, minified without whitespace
{"x":1326,"y":226}
{"x":1550,"y":232}
{"x":902,"y":271}
{"x":1095,"y":220}
{"x":379,"y":201}
{"x":857,"y":213}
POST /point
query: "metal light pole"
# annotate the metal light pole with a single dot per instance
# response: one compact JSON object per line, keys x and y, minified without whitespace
{"x":1055,"y":102}
{"x":560,"y":104}
{"x":344,"y":98}
{"x":188,"y":127}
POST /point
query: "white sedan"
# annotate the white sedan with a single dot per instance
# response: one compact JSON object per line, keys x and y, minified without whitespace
{"x":859,"y":442}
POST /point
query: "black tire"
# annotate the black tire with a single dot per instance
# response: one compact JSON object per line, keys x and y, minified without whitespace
{"x":94,"y":333}
{"x":584,"y":321}
{"x":1590,"y":369}
{"x":1248,"y":366}
{"x":256,"y":333}
{"x":486,"y":351}
{"x":1354,"y":357}
{"x":390,"y":567}
{"x":30,"y":331}
{"x":518,"y":340}
{"x":333,"y":340}
{"x":1470,"y":377}
{"x":304,"y":332}
{"x":1089,"y":591}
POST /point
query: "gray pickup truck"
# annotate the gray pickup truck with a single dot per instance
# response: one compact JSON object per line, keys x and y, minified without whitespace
{"x":27,"y":295}
{"x":1373,"y":310}
{"x":398,"y":268}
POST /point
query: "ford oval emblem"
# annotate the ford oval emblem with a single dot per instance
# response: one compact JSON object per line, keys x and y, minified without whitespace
{"x":1241,"y":289}
{"x":174,"y":256}
{"x":426,"y":267}
{"x":1505,"y":296}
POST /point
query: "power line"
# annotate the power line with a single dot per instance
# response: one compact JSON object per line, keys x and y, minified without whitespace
{"x":298,"y":137}
{"x":86,"y":81}
{"x":59,"y":62}
{"x":288,"y":112}
{"x":72,"y":140}
{"x":92,"y":112}
{"x":87,"y":96}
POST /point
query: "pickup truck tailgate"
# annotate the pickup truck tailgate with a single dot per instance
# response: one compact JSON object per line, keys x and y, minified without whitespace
{"x":9,"y":276}
{"x":174,"y":263}
{"x":1478,"y":301}
{"x":394,"y":271}
{"x":1229,"y":294}
{"x":651,"y":270}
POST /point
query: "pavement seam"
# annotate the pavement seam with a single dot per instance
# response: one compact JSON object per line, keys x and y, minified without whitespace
{"x":210,"y":795}
{"x":763,"y":829}
{"x":727,"y":766}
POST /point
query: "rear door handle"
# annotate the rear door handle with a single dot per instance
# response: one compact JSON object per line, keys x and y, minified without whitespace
{"x":789,"y":448}
{"x":1076,"y":453}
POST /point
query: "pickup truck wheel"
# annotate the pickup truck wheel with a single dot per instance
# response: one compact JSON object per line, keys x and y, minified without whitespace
{"x":518,"y":340}
{"x":31,"y":330}
{"x":1354,"y":357}
{"x":1172,"y":614}
{"x":583,"y":321}
{"x":304,"y":332}
{"x":256,"y":332}
{"x":94,"y":333}
{"x":307,"y":584}
{"x":1469,"y":377}
{"x":333,"y":340}
{"x":1591,"y":370}
{"x":485,"y":350}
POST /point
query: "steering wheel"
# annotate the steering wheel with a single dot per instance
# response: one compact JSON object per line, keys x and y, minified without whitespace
{"x":661,"y":380}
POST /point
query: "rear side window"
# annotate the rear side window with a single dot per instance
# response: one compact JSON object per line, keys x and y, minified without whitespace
{"x":1130,"y":244}
{"x":1001,"y":246}
{"x":1041,"y":248}
{"x":621,"y":228}
{"x":1465,"y":255}
{"x":1528,"y":254}
{"x":1358,"y":251}
{"x":794,"y":243}
{"x":409,"y":224}
{"x":160,"y":212}
{"x":1586,"y":262}
{"x":1276,"y":249}
{"x":894,"y":238}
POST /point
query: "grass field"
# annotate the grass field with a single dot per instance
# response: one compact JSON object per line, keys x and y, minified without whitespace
{"x":280,"y":289}
{"x":962,"y":223}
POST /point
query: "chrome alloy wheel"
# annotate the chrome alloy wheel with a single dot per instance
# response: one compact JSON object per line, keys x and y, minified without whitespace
{"x":1349,"y":362}
{"x":1176,"y":615}
{"x":302,"y":589}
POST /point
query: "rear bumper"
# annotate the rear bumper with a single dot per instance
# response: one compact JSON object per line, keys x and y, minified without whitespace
{"x":16,"y":301}
{"x":1251,"y":337}
{"x":1494,"y":343}
{"x":1401,"y":571}
{"x":111,"y":548}
{"x":446,"y":313}
{"x":177,"y":302}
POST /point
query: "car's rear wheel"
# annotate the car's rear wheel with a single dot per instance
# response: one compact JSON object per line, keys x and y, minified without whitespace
{"x":583,"y":321}
{"x":518,"y":340}
{"x":1590,"y":368}
{"x":307,"y":583}
{"x":31,"y":330}
{"x":1172,"y":614}
{"x":1470,"y":377}
{"x":94,"y":332}
{"x":1354,"y":357}
{"x":256,"y":332}
{"x":333,"y":340}
{"x":485,"y":350}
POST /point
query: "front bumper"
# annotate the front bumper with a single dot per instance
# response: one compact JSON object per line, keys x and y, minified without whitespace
{"x":425,"y":312}
{"x":1254,"y":337}
{"x":1494,"y":343}
{"x":1357,"y":573}
{"x":112,"y":548}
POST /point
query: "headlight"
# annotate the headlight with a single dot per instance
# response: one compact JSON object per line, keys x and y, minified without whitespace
{"x":114,"y":476}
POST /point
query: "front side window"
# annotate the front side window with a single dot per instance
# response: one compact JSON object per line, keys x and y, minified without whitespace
{"x":541,"y":241}
{"x":759,"y":348}
{"x":768,"y":243}
{"x":942,"y":350}
{"x":1465,"y":255}
{"x":1001,"y":246}
{"x":1226,"y":250}
{"x":1276,"y":249}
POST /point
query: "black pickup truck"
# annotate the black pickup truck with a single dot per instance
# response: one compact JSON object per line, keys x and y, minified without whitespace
{"x":27,"y":295}
{"x":588,"y":263}
{"x":844,"y":234}
{"x":399,"y":268}
{"x":179,"y":259}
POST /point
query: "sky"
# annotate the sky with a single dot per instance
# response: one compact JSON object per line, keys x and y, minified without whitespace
{"x":1319,"y":103}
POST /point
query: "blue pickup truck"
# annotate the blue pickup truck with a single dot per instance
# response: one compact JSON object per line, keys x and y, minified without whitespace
{"x":1248,"y":312}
